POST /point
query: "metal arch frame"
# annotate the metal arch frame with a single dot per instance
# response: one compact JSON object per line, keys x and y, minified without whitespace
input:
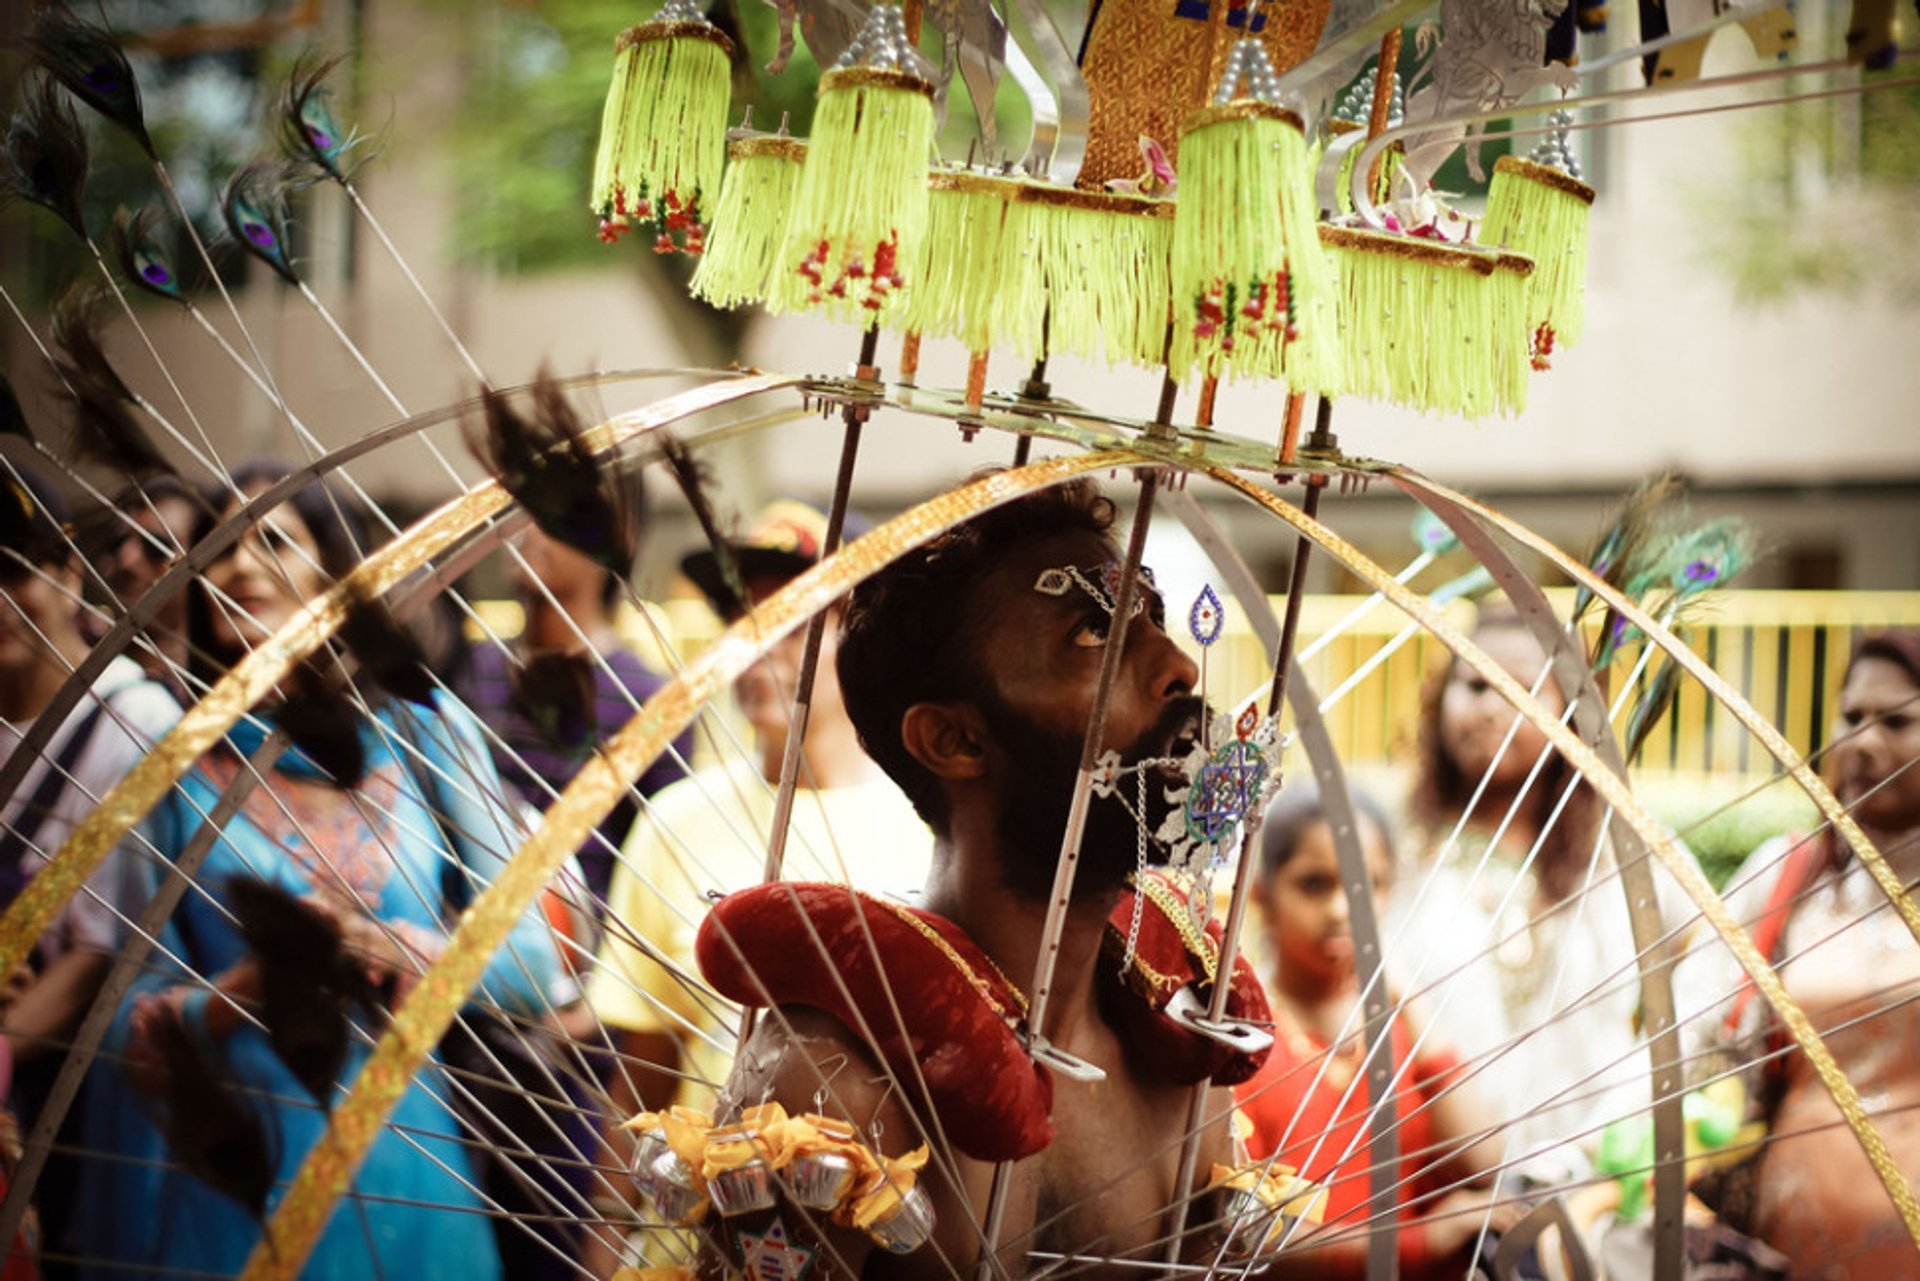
{"x":203,"y":724}
{"x":323,"y":1176}
{"x":441,"y":530}
{"x":1337,"y":802}
{"x":1626,"y":808}
{"x":227,"y":532}
{"x":1576,"y":682}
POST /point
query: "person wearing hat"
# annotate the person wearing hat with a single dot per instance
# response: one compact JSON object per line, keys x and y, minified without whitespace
{"x":710,"y":832}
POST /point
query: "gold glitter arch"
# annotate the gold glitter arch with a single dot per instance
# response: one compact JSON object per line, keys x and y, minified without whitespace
{"x":1726,"y":695}
{"x":1615,"y":792}
{"x":249,"y":680}
{"x":404,"y":1049}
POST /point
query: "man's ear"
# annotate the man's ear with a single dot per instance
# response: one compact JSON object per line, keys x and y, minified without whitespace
{"x":949,"y":739}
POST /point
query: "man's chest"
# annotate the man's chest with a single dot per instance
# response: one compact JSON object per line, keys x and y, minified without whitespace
{"x":1105,"y":1187}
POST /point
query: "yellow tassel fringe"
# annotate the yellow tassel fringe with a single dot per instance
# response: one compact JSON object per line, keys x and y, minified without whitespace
{"x":971,"y":282}
{"x":1542,"y":212}
{"x":859,"y":218}
{"x":1104,"y":272}
{"x":1429,"y":325}
{"x":663,"y":130}
{"x":1252,"y":290}
{"x":750,"y":222}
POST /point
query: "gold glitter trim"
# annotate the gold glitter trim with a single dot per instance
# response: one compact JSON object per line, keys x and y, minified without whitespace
{"x":250,"y":679}
{"x":1616,"y":793}
{"x":1430,"y":253}
{"x":1510,"y":260}
{"x":952,"y":954}
{"x":404,"y":1048}
{"x":979,"y":184}
{"x":873,"y":78}
{"x":1174,"y":908}
{"x":1113,"y":202}
{"x":1545,"y":175}
{"x":673,"y":31}
{"x":794,"y":149}
{"x":1239,"y":109}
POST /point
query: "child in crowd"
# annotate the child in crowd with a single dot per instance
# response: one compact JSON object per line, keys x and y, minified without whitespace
{"x":1308,"y":1104}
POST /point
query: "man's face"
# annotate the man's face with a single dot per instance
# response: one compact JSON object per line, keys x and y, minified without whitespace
{"x":1040,"y":652}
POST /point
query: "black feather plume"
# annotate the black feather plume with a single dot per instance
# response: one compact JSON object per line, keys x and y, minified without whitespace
{"x":692,"y":479}
{"x":254,"y":206}
{"x":309,"y":984}
{"x":91,"y":64}
{"x":209,"y":1127}
{"x":544,"y":462}
{"x":324,"y":724}
{"x":13,"y":421}
{"x":44,"y":158}
{"x":309,"y":133}
{"x":555,"y":693}
{"x":136,"y":247}
{"x":387,"y":651}
{"x":106,"y":429}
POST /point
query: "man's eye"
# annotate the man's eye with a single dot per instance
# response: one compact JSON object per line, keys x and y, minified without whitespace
{"x":1092,"y":632}
{"x":1896,"y":722}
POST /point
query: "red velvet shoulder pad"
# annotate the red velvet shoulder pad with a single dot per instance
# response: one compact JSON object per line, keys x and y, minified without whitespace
{"x":1170,"y":954}
{"x":909,"y":983}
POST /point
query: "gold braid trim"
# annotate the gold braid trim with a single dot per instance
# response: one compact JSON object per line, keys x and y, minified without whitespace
{"x":947,"y":949}
{"x":1432,"y":253}
{"x":1239,"y":109}
{"x":1174,"y":908}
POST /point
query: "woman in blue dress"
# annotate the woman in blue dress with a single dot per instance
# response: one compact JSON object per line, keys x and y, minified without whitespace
{"x":389,"y":857}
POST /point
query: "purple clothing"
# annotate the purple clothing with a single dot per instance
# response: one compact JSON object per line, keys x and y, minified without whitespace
{"x":487,"y":688}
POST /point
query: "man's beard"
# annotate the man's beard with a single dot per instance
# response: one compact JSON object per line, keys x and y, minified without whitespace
{"x":1042,"y":768}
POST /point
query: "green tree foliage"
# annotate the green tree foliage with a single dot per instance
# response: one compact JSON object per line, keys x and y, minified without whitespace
{"x":523,"y":148}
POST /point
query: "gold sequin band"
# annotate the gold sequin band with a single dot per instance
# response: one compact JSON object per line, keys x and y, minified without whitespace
{"x":1239,"y":109}
{"x":771,"y":144}
{"x":408,"y":1041}
{"x":673,"y":31}
{"x":1431,"y":253}
{"x":1113,"y":202}
{"x":1616,"y":793}
{"x":874,"y":78}
{"x":979,"y":184}
{"x":1545,"y":175}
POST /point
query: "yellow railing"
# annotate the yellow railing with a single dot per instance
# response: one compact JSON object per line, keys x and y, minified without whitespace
{"x":1783,"y":650}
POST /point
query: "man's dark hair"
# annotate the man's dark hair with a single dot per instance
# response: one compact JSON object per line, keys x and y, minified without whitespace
{"x":910,"y":632}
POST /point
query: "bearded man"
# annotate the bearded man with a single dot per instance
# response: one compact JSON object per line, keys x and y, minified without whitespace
{"x":969,"y":667}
